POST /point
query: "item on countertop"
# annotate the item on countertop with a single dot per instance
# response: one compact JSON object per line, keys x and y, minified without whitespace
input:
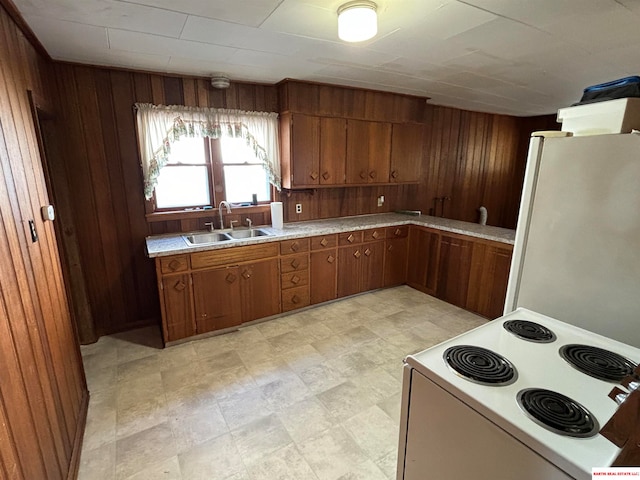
{"x":276,"y":215}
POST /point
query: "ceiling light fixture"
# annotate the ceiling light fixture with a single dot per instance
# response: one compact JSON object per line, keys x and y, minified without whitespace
{"x":357,"y":21}
{"x":220,"y":81}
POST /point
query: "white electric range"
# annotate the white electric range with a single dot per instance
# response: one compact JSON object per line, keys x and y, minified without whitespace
{"x":457,"y":424}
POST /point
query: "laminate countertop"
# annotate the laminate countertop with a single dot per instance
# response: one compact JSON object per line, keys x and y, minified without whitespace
{"x":174,"y":244}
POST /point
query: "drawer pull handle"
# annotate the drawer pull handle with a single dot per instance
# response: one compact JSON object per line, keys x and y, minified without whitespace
{"x":314,"y":175}
{"x":326,"y":175}
{"x":295,"y":299}
{"x":295,"y":279}
{"x":363,"y":174}
{"x":375,"y":234}
{"x":351,"y":238}
{"x":394,"y":174}
{"x":331,"y":259}
{"x":246,"y":274}
{"x":398,"y":232}
{"x":372,"y":174}
{"x":179,"y":286}
{"x":357,"y":254}
{"x":367,"y":252}
{"x":323,"y":242}
{"x":295,"y":246}
{"x":174,"y":265}
{"x":295,"y":263}
{"x":231,"y":278}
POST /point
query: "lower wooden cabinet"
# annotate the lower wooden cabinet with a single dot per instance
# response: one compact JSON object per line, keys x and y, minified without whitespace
{"x":178,"y":322}
{"x":422,"y":263}
{"x":259,"y":289}
{"x":488,"y":280}
{"x":454,"y":268}
{"x":323,"y":269}
{"x":395,"y":261}
{"x":217,"y":299}
{"x":360,"y":268}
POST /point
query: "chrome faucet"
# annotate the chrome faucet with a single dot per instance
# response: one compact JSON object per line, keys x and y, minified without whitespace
{"x":223,"y":203}
{"x":250,"y":223}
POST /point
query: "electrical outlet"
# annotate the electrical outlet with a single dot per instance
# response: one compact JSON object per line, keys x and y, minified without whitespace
{"x":381,"y":200}
{"x":298,"y":208}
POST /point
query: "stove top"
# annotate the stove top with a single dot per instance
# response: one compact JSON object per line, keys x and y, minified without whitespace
{"x":597,"y":362}
{"x":480,"y":365}
{"x":537,"y":366}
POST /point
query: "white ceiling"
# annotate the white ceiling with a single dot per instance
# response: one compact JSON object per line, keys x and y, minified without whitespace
{"x":519,"y":57}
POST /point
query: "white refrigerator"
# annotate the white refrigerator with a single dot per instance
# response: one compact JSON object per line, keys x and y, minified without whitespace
{"x":577,"y":248}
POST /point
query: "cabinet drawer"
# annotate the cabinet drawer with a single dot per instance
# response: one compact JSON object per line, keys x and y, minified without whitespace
{"x":234,"y":255}
{"x":294,"y":263}
{"x":174,"y":264}
{"x":350,"y":238}
{"x":324,"y":241}
{"x":374,"y":234}
{"x":297,"y":245}
{"x":294,"y":279}
{"x":295,"y":298}
{"x":398,"y":232}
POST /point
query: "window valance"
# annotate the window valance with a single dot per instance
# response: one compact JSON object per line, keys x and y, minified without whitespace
{"x":161,"y":125}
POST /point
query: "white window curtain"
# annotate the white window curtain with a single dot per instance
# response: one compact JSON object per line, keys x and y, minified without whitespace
{"x":161,"y":125}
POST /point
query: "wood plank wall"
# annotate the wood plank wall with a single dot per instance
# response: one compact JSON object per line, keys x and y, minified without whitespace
{"x":469,"y":157}
{"x":43,"y":393}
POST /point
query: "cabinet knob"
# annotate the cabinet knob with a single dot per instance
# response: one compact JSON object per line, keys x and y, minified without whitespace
{"x":295,"y":279}
{"x":295,"y":246}
{"x":372,"y":174}
{"x":204,"y":315}
{"x":394,"y":174}
{"x":314,"y":175}
{"x":375,"y":234}
{"x":351,"y":238}
{"x":357,"y":254}
{"x":323,"y":242}
{"x":246,"y":274}
{"x":331,"y":259}
{"x":363,"y":174}
{"x":295,"y":299}
{"x":367,"y":252}
{"x":295,"y":263}
{"x":174,"y":265}
{"x":390,"y":249}
{"x":398,"y":232}
{"x":231,"y":278}
{"x":179,"y":285}
{"x":326,"y":175}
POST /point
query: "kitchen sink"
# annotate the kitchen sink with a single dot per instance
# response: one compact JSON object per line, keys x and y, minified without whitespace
{"x":205,"y":238}
{"x":255,"y":232}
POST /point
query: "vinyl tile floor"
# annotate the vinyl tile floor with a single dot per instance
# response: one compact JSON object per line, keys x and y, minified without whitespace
{"x":313,"y":395}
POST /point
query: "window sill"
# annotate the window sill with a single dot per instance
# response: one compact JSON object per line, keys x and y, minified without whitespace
{"x":186,"y":214}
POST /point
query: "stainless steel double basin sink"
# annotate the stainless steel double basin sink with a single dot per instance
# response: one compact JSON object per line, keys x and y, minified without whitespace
{"x":207,"y":238}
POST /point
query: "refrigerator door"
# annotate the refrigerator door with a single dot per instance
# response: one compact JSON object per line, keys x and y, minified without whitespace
{"x":577,"y":251}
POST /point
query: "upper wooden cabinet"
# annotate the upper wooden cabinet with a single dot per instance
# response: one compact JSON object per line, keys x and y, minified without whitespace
{"x":368,"y":152}
{"x":406,"y":152}
{"x":300,"y":145}
{"x":333,"y":150}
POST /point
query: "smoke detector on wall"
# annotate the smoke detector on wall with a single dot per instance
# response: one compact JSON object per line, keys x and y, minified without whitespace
{"x":219,"y":81}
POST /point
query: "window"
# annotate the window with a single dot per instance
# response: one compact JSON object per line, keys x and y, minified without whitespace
{"x":202,"y":172}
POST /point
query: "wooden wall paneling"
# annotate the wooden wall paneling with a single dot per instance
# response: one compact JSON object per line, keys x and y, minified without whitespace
{"x":142,"y":87}
{"x":157,"y":90}
{"x":9,"y":461}
{"x":189,"y":92}
{"x":173,"y":93}
{"x":246,"y":97}
{"x":202,"y":90}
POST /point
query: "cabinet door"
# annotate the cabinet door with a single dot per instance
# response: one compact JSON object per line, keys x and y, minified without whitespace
{"x":406,"y":152}
{"x":422,"y":264}
{"x":217,"y":299}
{"x":368,"y":152}
{"x":260,"y":289}
{"x":488,"y":280}
{"x":178,"y":314}
{"x":333,"y":150}
{"x":349,"y":261}
{"x":395,"y":261}
{"x":323,"y":275}
{"x":454,"y":270}
{"x":305,"y":150}
{"x":372,"y":270}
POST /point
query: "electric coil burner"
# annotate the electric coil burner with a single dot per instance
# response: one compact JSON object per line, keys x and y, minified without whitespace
{"x":531,"y":331}
{"x":597,"y":362}
{"x":557,"y":413}
{"x":480,"y":365}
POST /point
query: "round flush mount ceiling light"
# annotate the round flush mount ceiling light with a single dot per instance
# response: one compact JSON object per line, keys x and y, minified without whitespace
{"x":219,"y":81}
{"x":357,"y":21}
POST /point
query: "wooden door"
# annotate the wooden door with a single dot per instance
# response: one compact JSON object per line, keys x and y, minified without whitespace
{"x":333,"y":150}
{"x":260,"y":289}
{"x":454,"y":269}
{"x":422,"y":262}
{"x":488,"y":279}
{"x":324,"y":267}
{"x":349,"y":270}
{"x":372,"y":269}
{"x":406,"y":152}
{"x":305,"y":150}
{"x":379,"y":152}
{"x":395,"y":261}
{"x":217,"y":302}
{"x":178,"y":313}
